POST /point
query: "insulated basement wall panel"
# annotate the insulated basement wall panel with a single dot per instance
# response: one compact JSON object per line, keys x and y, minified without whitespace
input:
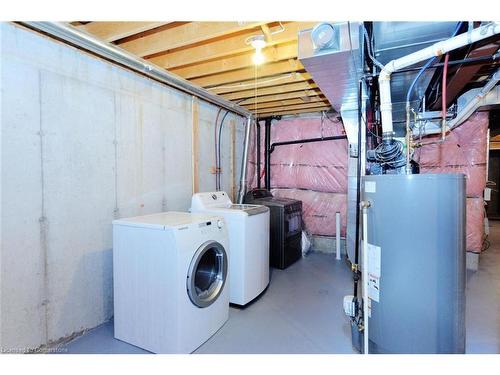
{"x":83,"y":142}
{"x":314,"y":173}
{"x":463,"y":151}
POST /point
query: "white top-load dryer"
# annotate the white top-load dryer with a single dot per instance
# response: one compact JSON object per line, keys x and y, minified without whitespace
{"x":248,"y":229}
{"x":169,"y":275}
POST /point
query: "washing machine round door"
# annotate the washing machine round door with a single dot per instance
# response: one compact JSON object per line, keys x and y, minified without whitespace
{"x":207,"y":274}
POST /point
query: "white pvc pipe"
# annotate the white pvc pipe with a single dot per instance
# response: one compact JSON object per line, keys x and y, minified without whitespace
{"x":337,"y":235}
{"x":365,"y":281}
{"x":437,"y":49}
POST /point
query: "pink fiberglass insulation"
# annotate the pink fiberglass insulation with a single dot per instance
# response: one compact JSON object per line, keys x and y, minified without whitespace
{"x":318,"y":166}
{"x":318,"y":209}
{"x":475,"y":224}
{"x":314,"y":173}
{"x":463,"y":151}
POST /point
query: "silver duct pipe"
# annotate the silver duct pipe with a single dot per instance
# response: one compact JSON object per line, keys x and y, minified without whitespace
{"x":485,"y":96}
{"x":467,"y":104}
{"x":83,"y":40}
{"x":244,"y":162}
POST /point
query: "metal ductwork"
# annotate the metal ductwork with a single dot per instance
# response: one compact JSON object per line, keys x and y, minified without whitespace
{"x":337,"y":67}
{"x":423,"y":55}
{"x":330,"y":53}
{"x":467,"y":104}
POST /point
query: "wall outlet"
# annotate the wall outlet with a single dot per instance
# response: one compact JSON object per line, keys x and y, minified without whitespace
{"x":487,"y":194}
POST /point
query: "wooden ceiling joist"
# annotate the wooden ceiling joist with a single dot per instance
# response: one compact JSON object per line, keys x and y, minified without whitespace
{"x":296,"y":112}
{"x":297,"y":107}
{"x":266,"y":70}
{"x":231,"y":45}
{"x":111,"y":31}
{"x":301,"y":86}
{"x":271,"y":54}
{"x":277,"y":97}
{"x":283,"y":79}
{"x":184,"y":35}
{"x":218,"y":56}
{"x":285,"y":103}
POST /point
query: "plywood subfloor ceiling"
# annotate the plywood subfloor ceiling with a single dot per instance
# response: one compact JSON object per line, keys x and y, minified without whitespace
{"x":217,"y":56}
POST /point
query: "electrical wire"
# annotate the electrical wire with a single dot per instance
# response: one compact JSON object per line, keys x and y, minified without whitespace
{"x":425,"y":67}
{"x":390,"y":154}
{"x":417,"y":77}
{"x":215,"y":148}
{"x":219,"y":148}
{"x":410,"y":90}
{"x":370,"y":49}
{"x":219,"y":158}
{"x":372,"y":133}
{"x":485,"y":245}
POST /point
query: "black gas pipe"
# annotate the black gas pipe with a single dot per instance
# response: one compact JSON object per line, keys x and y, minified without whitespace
{"x":267,"y":154}
{"x":307,"y":140}
{"x":269,"y":148}
{"x":257,"y":128}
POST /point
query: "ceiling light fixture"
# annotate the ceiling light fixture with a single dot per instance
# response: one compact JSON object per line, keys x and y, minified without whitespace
{"x":258,"y":42}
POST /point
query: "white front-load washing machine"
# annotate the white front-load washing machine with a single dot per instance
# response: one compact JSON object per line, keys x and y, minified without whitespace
{"x":170,"y":279}
{"x":248,"y":228}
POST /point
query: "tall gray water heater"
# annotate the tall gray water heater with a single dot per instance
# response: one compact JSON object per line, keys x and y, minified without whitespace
{"x":416,"y":232}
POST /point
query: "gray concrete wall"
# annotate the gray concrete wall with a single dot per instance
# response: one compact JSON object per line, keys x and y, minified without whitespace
{"x":83,"y":142}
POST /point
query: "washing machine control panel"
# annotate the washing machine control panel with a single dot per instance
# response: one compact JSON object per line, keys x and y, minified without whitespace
{"x":212,"y":226}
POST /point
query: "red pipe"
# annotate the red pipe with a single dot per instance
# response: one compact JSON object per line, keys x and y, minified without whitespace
{"x":443,"y":97}
{"x":443,"y":88}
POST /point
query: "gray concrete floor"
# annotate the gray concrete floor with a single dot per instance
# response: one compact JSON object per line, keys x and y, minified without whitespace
{"x":483,"y":299}
{"x":301,"y":312}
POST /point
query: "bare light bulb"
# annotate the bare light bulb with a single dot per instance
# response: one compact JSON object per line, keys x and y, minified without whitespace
{"x":258,"y":42}
{"x":258,"y":57}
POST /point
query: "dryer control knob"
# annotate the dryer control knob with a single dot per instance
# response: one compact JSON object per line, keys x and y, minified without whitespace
{"x":220,"y":223}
